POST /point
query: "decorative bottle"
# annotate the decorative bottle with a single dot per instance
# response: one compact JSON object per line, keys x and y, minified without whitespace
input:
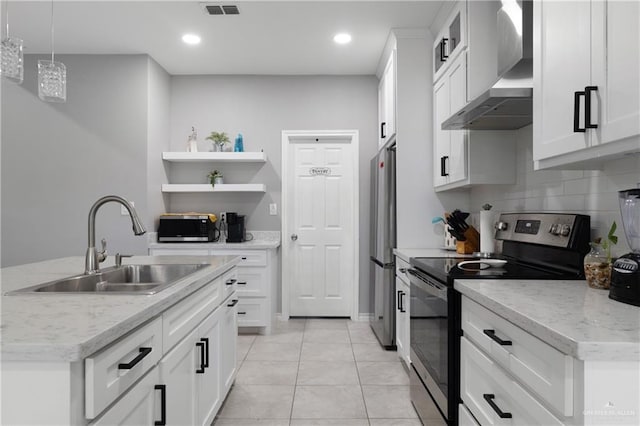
{"x":192,"y":143}
{"x":239,"y":145}
{"x":597,"y":267}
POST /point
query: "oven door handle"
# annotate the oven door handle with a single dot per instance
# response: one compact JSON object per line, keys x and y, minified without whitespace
{"x":428,"y":285}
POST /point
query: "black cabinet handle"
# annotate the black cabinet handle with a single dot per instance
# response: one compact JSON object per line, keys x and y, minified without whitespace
{"x":587,"y":107}
{"x":163,"y":405}
{"x":489,"y":398}
{"x":382,"y":130}
{"x":402,"y":309}
{"x":206,"y":351}
{"x":492,"y":335}
{"x":128,"y":366}
{"x":233,"y":303}
{"x":242,"y":283}
{"x":243,"y":258}
{"x":443,"y":166}
{"x":201,"y":346}
{"x":576,"y":112}
{"x":242,"y":313}
{"x":399,"y":301}
{"x":443,"y":44}
{"x":231,"y":281}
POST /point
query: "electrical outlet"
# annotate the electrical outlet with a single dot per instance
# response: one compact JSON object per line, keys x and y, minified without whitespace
{"x":123,"y":209}
{"x":273,"y":209}
{"x":222,"y":217}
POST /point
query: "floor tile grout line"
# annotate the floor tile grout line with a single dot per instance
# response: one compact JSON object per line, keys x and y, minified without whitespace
{"x":295,"y":383}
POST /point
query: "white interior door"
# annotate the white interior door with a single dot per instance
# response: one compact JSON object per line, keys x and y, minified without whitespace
{"x":319,"y":251}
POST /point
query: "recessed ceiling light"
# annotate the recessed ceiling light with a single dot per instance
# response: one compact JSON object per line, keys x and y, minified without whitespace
{"x":342,"y":38}
{"x":191,"y":39}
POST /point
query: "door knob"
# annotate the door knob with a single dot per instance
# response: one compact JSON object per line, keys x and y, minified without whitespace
{"x":294,"y":237}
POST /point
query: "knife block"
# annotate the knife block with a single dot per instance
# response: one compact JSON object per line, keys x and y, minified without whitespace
{"x":471,"y":244}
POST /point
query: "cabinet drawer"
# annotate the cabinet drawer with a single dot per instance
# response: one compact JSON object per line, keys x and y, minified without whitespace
{"x":253,"y":312}
{"x":178,"y":252}
{"x":110,"y":372}
{"x":229,"y":282}
{"x":488,"y":391}
{"x":247,"y":257}
{"x":545,"y":370}
{"x":465,"y":418}
{"x":253,"y":282}
{"x":180,"y":319}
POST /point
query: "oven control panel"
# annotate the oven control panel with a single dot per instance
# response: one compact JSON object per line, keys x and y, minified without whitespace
{"x":554,"y":229}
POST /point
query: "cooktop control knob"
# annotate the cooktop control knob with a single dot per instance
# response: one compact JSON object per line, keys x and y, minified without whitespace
{"x":554,"y":229}
{"x":502,"y":226}
{"x":565,"y":230}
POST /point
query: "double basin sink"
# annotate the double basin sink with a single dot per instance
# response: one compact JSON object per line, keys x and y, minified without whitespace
{"x":125,"y":279}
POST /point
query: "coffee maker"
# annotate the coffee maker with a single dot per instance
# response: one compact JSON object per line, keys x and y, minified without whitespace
{"x":236,"y":232}
{"x":625,"y":277}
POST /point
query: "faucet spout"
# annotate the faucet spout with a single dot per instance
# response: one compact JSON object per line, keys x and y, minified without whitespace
{"x":93,"y":258}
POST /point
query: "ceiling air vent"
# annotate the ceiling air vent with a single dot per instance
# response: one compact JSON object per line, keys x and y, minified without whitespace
{"x":217,"y":9}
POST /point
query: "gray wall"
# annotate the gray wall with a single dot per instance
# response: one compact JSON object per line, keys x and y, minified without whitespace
{"x":260,"y":107}
{"x":58,"y":159}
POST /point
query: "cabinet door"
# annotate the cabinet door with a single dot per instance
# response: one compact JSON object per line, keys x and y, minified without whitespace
{"x":616,"y":67}
{"x":457,"y":76}
{"x":442,"y":137}
{"x":178,"y":373}
{"x":139,"y":406}
{"x":229,"y":339}
{"x":562,"y":66}
{"x":402,"y":319}
{"x":208,"y":384}
{"x":390,"y":95}
{"x":381,"y":112}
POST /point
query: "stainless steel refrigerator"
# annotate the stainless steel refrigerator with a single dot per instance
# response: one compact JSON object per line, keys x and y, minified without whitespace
{"x":383,"y":241}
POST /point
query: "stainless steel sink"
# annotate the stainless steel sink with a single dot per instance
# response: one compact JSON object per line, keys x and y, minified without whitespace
{"x":126,"y":279}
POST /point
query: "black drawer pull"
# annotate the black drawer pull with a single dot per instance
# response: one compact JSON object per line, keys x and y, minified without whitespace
{"x":242,"y":313}
{"x":492,"y":335}
{"x":244,"y":258}
{"x":402,"y":309}
{"x":576,"y":112}
{"x":587,"y":107}
{"x":201,"y":346}
{"x":399,"y":304}
{"x":128,"y":366}
{"x":242,"y":283}
{"x":489,"y":398}
{"x":382,"y":128}
{"x":231,"y":281}
{"x":206,"y":351}
{"x":163,"y":405}
{"x":233,"y":303}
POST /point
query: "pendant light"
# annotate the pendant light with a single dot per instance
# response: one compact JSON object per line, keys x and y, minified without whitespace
{"x":52,"y":76}
{"x":12,"y":56}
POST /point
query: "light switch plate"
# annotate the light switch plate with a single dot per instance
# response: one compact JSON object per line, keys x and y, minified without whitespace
{"x":123,"y":209}
{"x":273,"y":209}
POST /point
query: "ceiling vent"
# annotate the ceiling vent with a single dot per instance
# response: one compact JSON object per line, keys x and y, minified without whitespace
{"x":217,"y":9}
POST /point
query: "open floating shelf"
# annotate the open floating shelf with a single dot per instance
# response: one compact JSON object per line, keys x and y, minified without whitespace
{"x":221,"y":187}
{"x":215,"y":157}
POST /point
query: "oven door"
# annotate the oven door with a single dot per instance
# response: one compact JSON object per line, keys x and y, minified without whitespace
{"x":429,"y":324}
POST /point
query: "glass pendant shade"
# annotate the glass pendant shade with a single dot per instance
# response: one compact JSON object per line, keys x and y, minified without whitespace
{"x":52,"y":81}
{"x":12,"y":66}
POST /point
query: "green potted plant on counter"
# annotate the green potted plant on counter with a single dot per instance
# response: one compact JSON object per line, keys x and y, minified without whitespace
{"x":219,"y":139}
{"x":597,"y":263}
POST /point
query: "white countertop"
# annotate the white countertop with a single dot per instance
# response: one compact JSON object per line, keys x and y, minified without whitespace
{"x":407,"y":253}
{"x":69,"y":327}
{"x":261,"y":240}
{"x":568,"y":315}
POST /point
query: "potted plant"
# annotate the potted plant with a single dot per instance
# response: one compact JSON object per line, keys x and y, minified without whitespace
{"x":215,"y":177}
{"x":219,"y":139}
{"x":597,"y":263}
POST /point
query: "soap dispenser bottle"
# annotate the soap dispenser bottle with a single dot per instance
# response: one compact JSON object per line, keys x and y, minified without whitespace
{"x":239,"y":145}
{"x":192,"y":143}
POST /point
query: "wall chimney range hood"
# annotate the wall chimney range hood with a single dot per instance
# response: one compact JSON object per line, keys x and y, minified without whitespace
{"x":507,"y":104}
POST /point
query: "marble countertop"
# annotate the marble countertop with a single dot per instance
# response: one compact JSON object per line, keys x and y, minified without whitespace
{"x":261,"y":240}
{"x":568,"y":315}
{"x":407,"y":253}
{"x":69,"y":327}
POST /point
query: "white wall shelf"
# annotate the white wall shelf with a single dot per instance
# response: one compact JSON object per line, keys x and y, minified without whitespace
{"x":215,"y":157}
{"x":226,"y":187}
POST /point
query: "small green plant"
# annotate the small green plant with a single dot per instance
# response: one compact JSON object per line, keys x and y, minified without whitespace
{"x":219,"y":138}
{"x":611,"y":240}
{"x":212,"y":177}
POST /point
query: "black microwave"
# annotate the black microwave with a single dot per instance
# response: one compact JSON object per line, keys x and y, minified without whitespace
{"x":186,"y":228}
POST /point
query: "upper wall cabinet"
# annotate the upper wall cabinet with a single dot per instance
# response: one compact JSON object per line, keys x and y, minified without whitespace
{"x":451,"y":40}
{"x":387,"y":101}
{"x":586,"y":99}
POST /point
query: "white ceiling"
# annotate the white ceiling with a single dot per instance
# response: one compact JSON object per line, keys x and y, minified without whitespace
{"x":286,"y":37}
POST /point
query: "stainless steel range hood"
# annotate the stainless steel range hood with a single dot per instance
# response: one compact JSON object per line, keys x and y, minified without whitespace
{"x":508,"y":103}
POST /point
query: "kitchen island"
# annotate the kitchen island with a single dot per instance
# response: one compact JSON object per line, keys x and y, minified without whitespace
{"x":69,"y":358}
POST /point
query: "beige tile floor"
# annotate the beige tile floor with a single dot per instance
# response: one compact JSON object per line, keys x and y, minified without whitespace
{"x":318,"y":372}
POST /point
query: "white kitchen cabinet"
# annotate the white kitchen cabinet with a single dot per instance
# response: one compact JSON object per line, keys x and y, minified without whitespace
{"x":402,"y":311}
{"x":387,"y":101}
{"x":209,"y":382}
{"x":451,"y":39}
{"x":142,"y":404}
{"x":482,"y":51}
{"x":586,"y":102}
{"x":228,"y":368}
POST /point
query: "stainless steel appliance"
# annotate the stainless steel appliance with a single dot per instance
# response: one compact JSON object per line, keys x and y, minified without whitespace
{"x":625,"y":277}
{"x":383,"y":241}
{"x":543,"y":246}
{"x":188,"y":227}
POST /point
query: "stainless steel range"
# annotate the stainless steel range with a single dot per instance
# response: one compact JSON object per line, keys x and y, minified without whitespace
{"x":535,"y":246}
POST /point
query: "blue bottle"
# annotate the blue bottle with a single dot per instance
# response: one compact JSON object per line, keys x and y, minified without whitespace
{"x":239,"y":146}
